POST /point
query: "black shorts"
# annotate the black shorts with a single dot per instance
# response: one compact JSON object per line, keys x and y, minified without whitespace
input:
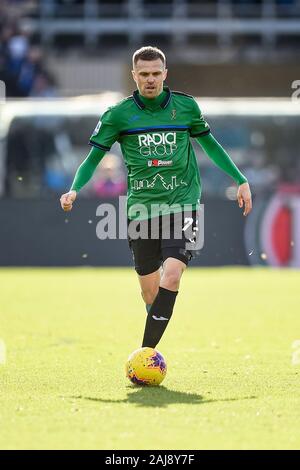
{"x":152,"y":241}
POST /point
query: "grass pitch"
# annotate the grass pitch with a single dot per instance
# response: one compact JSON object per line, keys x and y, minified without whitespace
{"x":230,"y":384}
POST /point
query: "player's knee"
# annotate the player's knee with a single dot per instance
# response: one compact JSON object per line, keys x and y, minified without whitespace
{"x":171,"y":279}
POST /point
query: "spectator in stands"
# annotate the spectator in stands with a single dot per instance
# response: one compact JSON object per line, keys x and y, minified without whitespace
{"x":11,"y":56}
{"x":17,"y":48}
{"x":21,"y":65}
{"x":44,"y":86}
{"x":31,"y":67}
{"x":110,"y":180}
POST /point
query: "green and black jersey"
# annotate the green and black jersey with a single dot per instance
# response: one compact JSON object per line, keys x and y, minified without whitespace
{"x":154,"y":135}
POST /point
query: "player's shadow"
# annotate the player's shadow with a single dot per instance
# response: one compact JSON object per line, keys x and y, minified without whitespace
{"x":159,"y":397}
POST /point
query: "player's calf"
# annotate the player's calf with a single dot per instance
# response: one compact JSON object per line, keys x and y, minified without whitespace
{"x":158,"y":317}
{"x":149,"y":295}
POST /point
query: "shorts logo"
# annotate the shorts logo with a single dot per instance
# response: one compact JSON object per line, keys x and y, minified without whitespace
{"x":160,"y":162}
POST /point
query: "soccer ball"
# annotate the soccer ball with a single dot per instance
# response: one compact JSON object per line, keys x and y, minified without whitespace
{"x":146,"y":366}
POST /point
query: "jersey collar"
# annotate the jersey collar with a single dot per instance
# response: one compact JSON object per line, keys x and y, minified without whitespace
{"x":163,"y":104}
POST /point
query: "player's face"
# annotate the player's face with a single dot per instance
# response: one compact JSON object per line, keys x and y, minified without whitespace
{"x":149,"y":76}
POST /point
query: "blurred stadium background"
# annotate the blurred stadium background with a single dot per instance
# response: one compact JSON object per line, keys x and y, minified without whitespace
{"x":64,"y":62}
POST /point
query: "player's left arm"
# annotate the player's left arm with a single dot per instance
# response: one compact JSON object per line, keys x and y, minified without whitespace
{"x":200,"y":130}
{"x":244,"y":197}
{"x":221,"y":158}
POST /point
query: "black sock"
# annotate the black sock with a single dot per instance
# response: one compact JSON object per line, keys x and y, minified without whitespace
{"x":158,"y":317}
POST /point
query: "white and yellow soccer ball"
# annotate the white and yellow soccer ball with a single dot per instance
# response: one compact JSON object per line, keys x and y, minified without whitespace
{"x":146,"y":366}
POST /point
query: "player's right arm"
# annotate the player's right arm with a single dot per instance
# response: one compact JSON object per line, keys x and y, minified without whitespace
{"x":82,"y":176}
{"x":103,"y":137}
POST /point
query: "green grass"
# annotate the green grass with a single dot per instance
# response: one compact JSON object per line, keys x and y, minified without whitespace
{"x":230,"y":382}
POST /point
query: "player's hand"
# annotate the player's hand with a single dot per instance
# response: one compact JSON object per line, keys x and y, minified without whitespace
{"x":244,"y":197}
{"x":67,"y":200}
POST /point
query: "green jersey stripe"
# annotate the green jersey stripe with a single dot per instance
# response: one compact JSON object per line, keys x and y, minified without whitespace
{"x":99,"y":146}
{"x":201,"y":133}
{"x":140,"y":130}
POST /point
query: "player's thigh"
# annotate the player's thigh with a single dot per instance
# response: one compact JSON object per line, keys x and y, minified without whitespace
{"x":173,"y":265}
{"x":146,"y":255}
{"x":178,"y":243}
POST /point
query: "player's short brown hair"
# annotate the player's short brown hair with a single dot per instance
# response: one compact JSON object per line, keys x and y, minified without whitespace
{"x":148,"y":53}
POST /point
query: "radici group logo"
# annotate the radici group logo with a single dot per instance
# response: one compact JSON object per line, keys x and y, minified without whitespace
{"x":272,"y":233}
{"x":157,"y":144}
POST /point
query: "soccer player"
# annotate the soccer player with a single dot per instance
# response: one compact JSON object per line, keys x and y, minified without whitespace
{"x":154,"y":127}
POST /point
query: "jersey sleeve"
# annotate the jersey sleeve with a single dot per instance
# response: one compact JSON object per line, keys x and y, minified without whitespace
{"x":106,"y":132}
{"x":199,"y":126}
